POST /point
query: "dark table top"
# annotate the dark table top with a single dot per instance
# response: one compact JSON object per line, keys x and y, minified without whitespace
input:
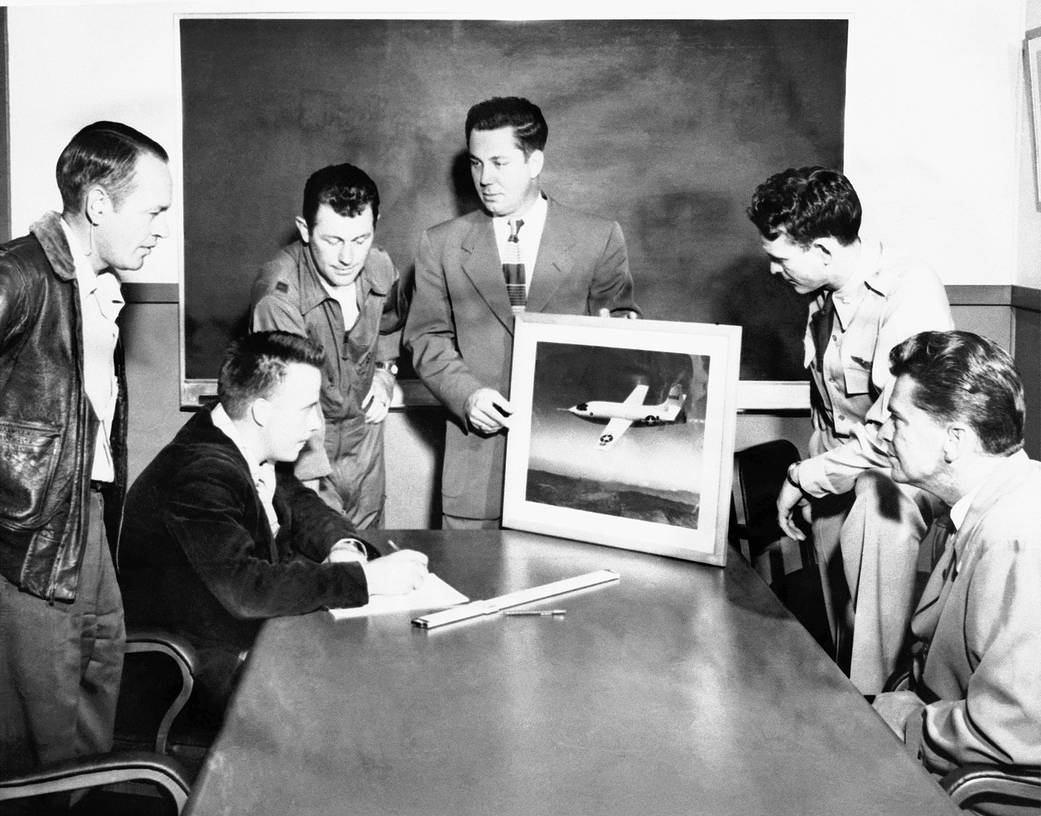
{"x":683,"y":688}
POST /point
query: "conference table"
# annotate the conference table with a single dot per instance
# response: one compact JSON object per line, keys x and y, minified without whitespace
{"x":682,"y":688}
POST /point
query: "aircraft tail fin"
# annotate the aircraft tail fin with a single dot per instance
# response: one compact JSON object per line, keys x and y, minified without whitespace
{"x":676,"y":403}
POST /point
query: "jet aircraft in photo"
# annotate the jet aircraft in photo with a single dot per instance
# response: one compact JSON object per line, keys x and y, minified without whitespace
{"x":620,"y":416}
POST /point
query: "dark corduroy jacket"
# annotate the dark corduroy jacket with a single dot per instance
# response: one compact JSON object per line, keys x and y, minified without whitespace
{"x":196,"y":554}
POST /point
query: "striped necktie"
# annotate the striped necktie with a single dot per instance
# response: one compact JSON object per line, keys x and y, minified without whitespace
{"x":513,"y":269}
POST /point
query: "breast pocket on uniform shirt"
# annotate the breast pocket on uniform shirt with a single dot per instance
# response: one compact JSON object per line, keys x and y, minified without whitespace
{"x":857,"y":373}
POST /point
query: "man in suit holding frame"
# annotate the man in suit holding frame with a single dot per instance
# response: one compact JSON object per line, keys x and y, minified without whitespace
{"x":523,"y":252}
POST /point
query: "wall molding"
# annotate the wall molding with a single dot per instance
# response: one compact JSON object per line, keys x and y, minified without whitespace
{"x":1019,"y":297}
{"x":754,"y":396}
{"x":151,"y":292}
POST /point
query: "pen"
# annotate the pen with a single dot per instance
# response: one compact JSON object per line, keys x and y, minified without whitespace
{"x":394,"y":547}
{"x":535,"y":613}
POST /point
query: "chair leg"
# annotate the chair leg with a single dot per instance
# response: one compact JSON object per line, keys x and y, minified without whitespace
{"x":777,"y":574}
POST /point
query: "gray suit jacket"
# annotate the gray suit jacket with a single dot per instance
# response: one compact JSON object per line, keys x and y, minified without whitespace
{"x":980,"y":618}
{"x":460,"y":326}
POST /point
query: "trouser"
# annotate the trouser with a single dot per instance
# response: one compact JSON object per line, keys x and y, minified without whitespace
{"x":867,"y":545}
{"x":217,"y":675}
{"x":61,"y":664}
{"x":460,"y":523}
{"x":356,"y":486}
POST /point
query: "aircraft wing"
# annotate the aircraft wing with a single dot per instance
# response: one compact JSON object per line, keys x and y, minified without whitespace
{"x":636,"y":397}
{"x":614,"y":430}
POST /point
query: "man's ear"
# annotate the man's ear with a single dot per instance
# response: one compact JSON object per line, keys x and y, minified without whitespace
{"x":96,"y":204}
{"x":260,"y":410}
{"x":305,"y":233}
{"x":825,"y":247}
{"x":535,"y":162}
{"x":960,"y":441}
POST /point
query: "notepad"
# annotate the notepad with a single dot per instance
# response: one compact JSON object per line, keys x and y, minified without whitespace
{"x":433,"y":594}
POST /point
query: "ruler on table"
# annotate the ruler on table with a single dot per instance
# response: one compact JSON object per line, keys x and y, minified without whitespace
{"x":476,"y":609}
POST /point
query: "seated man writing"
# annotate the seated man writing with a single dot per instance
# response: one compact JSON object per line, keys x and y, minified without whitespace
{"x":956,"y":429}
{"x":214,"y":542}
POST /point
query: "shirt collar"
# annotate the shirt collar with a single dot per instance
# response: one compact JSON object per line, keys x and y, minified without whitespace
{"x":336,"y":292}
{"x":534,"y":218}
{"x":868,"y":274}
{"x":110,"y":297}
{"x":314,"y":289}
{"x":85,"y":274}
{"x":960,"y":509}
{"x":224,"y":423}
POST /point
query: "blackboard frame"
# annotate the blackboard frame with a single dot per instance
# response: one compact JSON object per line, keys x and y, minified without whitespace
{"x":755,"y":394}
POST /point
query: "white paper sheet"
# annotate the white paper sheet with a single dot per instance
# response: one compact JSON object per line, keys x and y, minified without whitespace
{"x":433,"y":594}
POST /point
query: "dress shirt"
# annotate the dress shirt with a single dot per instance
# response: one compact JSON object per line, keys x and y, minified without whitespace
{"x":960,"y":509}
{"x":100,"y":304}
{"x":347,"y":297}
{"x":529,"y":237}
{"x":263,"y":473}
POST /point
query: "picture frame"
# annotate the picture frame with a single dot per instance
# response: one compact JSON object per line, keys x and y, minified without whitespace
{"x":622,"y":433}
{"x":1032,"y":63}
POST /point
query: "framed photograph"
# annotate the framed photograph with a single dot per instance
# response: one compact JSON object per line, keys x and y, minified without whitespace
{"x":1032,"y":59}
{"x":623,"y":433}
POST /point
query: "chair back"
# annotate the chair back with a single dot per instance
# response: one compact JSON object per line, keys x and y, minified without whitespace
{"x":759,"y":472}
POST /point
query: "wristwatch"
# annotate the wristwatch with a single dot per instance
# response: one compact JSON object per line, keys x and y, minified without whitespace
{"x":389,"y":366}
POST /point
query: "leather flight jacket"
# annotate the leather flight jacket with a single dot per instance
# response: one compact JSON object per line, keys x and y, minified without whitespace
{"x":47,"y":425}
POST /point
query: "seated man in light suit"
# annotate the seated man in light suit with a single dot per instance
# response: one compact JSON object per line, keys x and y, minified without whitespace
{"x":214,"y":541}
{"x":956,"y":429}
{"x":524,"y":251}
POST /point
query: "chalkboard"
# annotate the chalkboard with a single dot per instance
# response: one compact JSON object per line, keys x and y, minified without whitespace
{"x":663,"y":125}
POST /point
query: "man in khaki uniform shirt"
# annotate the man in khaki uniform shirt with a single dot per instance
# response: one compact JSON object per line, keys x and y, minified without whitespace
{"x":338,"y":289}
{"x":866,"y":529}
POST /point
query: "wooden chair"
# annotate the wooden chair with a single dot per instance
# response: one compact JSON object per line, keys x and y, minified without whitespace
{"x":130,"y":763}
{"x":161,"y":667}
{"x":759,"y":472}
{"x":142,"y":710}
{"x":975,"y":784}
{"x":101,"y":770}
{"x":978,"y":783}
{"x":789,"y":567}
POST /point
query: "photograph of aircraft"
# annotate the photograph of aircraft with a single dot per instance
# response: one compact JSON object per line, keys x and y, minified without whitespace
{"x":620,"y":416}
{"x":647,"y":460}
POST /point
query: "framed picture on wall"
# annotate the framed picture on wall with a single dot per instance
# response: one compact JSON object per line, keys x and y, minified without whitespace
{"x":623,"y":433}
{"x":1032,"y":59}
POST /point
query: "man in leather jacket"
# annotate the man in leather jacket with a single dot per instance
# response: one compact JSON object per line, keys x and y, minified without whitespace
{"x":63,"y":444}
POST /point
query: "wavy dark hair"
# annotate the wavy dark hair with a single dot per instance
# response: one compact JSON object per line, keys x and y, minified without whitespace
{"x":807,"y":203}
{"x":960,"y":376}
{"x":529,"y":125}
{"x":345,"y":188}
